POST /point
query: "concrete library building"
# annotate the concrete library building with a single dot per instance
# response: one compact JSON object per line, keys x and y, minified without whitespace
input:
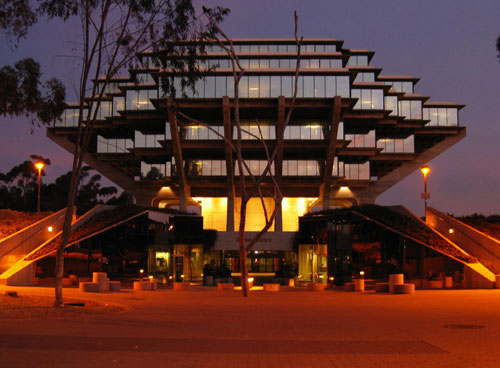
{"x":354,"y":132}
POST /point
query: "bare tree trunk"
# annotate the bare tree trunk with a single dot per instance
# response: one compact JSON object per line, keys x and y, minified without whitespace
{"x":68,"y":216}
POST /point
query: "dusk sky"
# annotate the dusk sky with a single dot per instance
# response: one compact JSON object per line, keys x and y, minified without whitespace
{"x":449,"y":45}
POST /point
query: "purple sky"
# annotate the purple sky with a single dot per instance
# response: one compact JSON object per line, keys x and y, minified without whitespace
{"x":449,"y":44}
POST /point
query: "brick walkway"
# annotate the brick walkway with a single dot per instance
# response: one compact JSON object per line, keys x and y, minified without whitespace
{"x":292,"y":328}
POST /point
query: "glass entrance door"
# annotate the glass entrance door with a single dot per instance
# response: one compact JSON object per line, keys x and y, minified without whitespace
{"x":178,"y":268}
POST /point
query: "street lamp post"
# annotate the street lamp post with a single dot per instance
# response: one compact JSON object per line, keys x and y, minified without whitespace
{"x":39,"y":166}
{"x":425,"y":196}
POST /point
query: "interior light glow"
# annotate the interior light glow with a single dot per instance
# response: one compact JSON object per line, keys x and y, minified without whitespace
{"x":451,"y":231}
{"x":50,"y":229}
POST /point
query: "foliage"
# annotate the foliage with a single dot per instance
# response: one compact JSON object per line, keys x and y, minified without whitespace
{"x":21,"y":93}
{"x":209,"y":237}
{"x":16,"y":17}
{"x":489,"y":225}
{"x":13,"y":221}
{"x":18,"y":189}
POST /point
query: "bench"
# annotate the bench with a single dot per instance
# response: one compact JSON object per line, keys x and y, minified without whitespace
{"x":142,"y":285}
{"x":115,"y":285}
{"x":182,"y":286}
{"x":271,"y":287}
{"x":225,"y":286}
{"x":382,"y":287}
{"x":349,"y":286}
{"x":314,"y":286}
{"x":89,"y":287}
{"x":404,"y":288}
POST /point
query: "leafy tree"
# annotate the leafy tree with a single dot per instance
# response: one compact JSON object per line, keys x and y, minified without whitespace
{"x":113,"y":32}
{"x":21,"y":93}
{"x":498,"y":47}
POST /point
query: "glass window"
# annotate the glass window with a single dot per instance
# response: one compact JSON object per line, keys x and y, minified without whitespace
{"x":404,"y":109}
{"x":407,"y":87}
{"x":275,"y":86}
{"x":324,"y":63}
{"x":366,"y":99}
{"x":253,"y":63}
{"x":264,"y":63}
{"x":274,"y":63}
{"x":336,"y":63}
{"x":452,"y":117}
{"x":391,"y":103}
{"x":330,"y":86}
{"x":253,"y":87}
{"x":377,"y":99}
{"x":286,"y":86}
{"x":284,"y":63}
{"x":202,"y":133}
{"x":342,"y":86}
{"x":209,"y":87}
{"x":340,"y":131}
{"x":364,"y":171}
{"x":265,"y":88}
{"x":362,"y":60}
{"x":441,"y":117}
{"x":319,"y":86}
{"x":301,"y":168}
{"x":294,"y":131}
{"x":314,"y":63}
{"x":330,"y":48}
{"x":243,"y":87}
{"x":409,"y":144}
{"x":356,"y":93}
{"x":220,"y":86}
{"x":416,"y":109}
{"x":308,"y":86}
{"x":118,"y":105}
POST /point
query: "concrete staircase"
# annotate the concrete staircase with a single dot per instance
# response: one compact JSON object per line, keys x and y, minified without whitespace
{"x":482,"y":246}
{"x":15,"y":268}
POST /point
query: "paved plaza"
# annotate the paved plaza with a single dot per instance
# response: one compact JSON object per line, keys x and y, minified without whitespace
{"x":290,"y":328}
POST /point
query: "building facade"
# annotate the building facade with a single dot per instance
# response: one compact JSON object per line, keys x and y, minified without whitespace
{"x":353,"y":134}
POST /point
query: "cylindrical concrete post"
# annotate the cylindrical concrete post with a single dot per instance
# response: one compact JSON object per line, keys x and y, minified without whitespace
{"x":359,"y":285}
{"x":396,"y":278}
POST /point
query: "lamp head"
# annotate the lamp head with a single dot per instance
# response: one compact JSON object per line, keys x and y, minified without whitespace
{"x":39,"y":165}
{"x":425,"y":169}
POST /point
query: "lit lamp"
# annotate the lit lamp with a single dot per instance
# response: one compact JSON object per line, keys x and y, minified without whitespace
{"x":39,"y":166}
{"x":425,"y":196}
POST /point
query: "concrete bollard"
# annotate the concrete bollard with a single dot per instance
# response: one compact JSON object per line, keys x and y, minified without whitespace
{"x":396,"y":278}
{"x":359,"y":285}
{"x":101,"y":279}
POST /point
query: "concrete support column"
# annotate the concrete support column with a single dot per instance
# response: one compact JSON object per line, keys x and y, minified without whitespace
{"x":278,"y":222}
{"x":230,"y":214}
